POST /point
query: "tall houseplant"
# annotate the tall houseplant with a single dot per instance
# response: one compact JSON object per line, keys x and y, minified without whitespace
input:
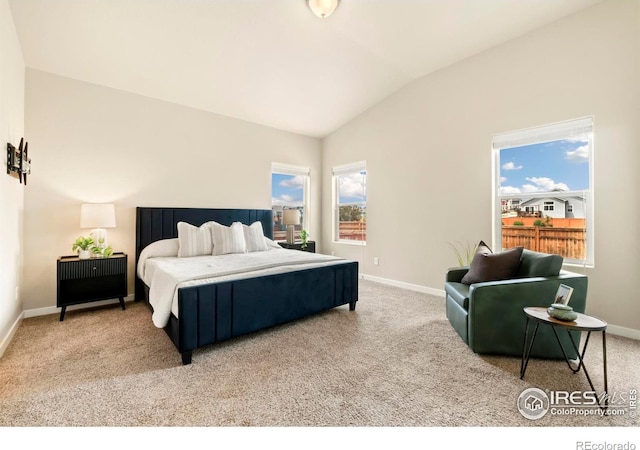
{"x":464,"y":252}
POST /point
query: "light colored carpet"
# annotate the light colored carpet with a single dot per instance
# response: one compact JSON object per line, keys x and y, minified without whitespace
{"x":395,"y":361}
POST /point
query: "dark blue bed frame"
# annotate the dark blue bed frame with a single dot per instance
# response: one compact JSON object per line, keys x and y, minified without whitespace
{"x":219,"y":311}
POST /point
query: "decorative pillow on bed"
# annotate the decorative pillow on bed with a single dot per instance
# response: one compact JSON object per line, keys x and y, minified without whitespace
{"x":254,"y":237}
{"x":228,"y":239}
{"x":194,"y":241}
{"x":271,"y":243}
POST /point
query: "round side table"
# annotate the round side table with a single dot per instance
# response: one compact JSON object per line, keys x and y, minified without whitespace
{"x":583,"y":322}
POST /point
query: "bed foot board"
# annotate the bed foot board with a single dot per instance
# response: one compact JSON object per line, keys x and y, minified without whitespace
{"x":186,"y":357}
{"x":352,"y":306}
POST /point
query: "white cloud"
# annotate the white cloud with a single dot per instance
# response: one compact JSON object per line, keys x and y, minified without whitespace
{"x":503,"y":179}
{"x":543,"y":184}
{"x":506,"y":190}
{"x":285,"y":200}
{"x":351,"y":186}
{"x":296,"y":182}
{"x":579,"y":155}
{"x":511,"y":166}
{"x":530,"y":188}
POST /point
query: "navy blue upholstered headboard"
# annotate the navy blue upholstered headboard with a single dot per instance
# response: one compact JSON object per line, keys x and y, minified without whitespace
{"x":153,"y":224}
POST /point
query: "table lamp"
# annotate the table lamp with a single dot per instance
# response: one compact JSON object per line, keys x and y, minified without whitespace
{"x":98,"y":216}
{"x":291,"y":218}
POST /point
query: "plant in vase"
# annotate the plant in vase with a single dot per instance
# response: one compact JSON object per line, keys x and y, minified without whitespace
{"x":86,"y":246}
{"x":464,"y":252}
{"x":83,"y":246}
{"x":304,"y":235}
{"x":102,"y":252}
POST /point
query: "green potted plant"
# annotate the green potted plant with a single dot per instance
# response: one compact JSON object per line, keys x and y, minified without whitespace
{"x":102,"y":252}
{"x":304,"y":235}
{"x":464,"y":252}
{"x":83,"y":246}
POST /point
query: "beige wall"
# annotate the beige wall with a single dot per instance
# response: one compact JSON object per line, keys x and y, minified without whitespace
{"x":428,"y":152}
{"x":95,"y":144}
{"x":11,"y":191}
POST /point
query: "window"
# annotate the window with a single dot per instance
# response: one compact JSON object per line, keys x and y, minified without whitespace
{"x":549,"y":171}
{"x":350,"y":203}
{"x":289,"y":190}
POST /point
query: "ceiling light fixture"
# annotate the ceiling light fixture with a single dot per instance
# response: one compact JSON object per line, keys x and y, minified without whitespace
{"x":323,"y":8}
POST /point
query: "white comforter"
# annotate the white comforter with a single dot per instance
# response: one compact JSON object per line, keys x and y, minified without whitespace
{"x":165,"y":275}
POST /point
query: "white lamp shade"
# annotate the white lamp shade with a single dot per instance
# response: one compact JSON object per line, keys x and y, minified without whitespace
{"x":323,"y":8}
{"x":291,"y":217}
{"x":97,"y":215}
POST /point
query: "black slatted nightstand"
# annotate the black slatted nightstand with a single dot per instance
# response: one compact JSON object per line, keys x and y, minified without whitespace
{"x":90,"y":280}
{"x":311,"y":246}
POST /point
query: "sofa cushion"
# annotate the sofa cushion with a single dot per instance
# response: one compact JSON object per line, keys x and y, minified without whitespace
{"x":458,"y":292}
{"x":536,"y":264}
{"x":493,"y":266}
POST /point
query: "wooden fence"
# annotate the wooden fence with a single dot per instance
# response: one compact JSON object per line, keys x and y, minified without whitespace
{"x":353,"y":231}
{"x":557,"y":223}
{"x":350,"y":231}
{"x":567,"y":242}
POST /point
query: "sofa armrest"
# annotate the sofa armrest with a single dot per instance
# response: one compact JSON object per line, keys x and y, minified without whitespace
{"x":496,"y":308}
{"x":455,"y":274}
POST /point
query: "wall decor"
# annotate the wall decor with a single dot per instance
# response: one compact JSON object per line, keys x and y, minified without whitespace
{"x":18,"y":161}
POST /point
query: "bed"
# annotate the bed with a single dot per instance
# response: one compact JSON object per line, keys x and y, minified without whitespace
{"x":206,"y":310}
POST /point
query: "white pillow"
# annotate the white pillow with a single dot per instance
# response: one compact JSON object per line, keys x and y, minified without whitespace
{"x":227,"y":239}
{"x":163,"y":247}
{"x":254,"y":237}
{"x":271,"y":244}
{"x":194,"y":241}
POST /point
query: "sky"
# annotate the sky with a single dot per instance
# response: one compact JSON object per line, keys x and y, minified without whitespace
{"x":353,"y":188}
{"x":287,"y":189}
{"x":544,"y":167}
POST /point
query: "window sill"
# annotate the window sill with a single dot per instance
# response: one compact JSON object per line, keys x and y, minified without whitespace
{"x":359,"y":243}
{"x":577,"y":265}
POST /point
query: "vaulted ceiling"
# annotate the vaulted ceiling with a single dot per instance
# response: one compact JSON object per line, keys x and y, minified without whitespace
{"x":270,"y":62}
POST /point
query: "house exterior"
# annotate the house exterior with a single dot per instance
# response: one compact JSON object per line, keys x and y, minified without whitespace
{"x":554,"y":207}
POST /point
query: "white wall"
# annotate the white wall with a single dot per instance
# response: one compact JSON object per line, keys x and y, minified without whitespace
{"x":428,"y":151}
{"x":96,"y":144}
{"x":11,"y":191}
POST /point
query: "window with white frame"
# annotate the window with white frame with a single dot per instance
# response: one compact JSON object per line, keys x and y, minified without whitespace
{"x":350,"y":202}
{"x":289,"y":190}
{"x":549,"y":170}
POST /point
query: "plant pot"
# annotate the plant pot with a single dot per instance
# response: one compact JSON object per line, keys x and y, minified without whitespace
{"x":84,"y":254}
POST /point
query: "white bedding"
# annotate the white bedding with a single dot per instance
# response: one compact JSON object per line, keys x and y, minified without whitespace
{"x":166,"y":274}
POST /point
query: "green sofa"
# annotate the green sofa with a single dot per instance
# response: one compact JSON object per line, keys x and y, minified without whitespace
{"x":489,"y":316}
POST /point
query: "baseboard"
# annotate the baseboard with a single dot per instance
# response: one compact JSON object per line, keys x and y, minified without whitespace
{"x":403,"y":285}
{"x":55,"y":310}
{"x":611,"y":329}
{"x":624,"y":332}
{"x":12,"y":331}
